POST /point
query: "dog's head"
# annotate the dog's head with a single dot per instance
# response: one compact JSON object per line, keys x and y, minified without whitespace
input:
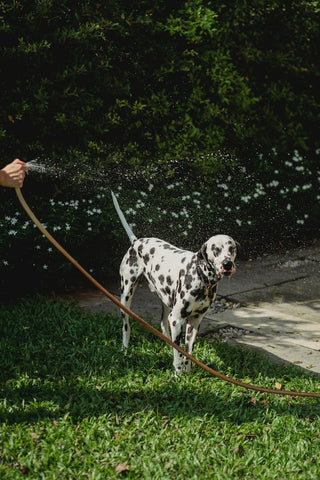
{"x":219,"y":253}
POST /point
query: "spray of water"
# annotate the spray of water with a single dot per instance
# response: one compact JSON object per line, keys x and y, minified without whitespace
{"x":35,"y":166}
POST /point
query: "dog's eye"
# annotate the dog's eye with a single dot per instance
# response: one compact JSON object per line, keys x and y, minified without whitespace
{"x":216,"y":250}
{"x":232,"y":250}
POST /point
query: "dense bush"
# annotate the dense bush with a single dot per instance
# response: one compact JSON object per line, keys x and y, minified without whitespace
{"x":149,"y":80}
{"x":268,"y":210}
{"x":202,"y":106}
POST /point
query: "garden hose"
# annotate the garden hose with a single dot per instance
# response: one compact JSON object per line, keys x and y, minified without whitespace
{"x":144,"y":323}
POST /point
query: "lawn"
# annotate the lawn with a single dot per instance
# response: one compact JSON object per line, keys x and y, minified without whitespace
{"x":74,"y":406}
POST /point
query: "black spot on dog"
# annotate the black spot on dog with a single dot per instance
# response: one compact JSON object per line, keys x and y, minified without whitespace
{"x":157,"y":267}
{"x":169,"y":280}
{"x":132,"y":257}
{"x":188,"y":281}
{"x":168,"y":291}
{"x":152,"y":250}
{"x":161,"y":279}
{"x":182,"y":294}
{"x":183,"y":259}
{"x":177,"y":340}
{"x":185,"y":312}
{"x":216,"y":250}
{"x":133,"y":279}
{"x":198,"y":294}
{"x":146,"y":258}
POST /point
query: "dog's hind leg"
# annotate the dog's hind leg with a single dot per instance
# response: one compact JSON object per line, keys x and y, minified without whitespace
{"x":127,"y":291}
{"x":164,"y":321}
{"x":129,"y":274}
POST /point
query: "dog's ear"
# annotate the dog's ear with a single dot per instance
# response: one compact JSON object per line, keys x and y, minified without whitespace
{"x":202,"y":254}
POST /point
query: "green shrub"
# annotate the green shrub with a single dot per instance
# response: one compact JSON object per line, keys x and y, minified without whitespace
{"x":150,"y":81}
{"x":261,"y":210}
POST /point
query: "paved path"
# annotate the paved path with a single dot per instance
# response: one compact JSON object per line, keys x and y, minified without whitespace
{"x":280,"y":306}
{"x":277,"y":300}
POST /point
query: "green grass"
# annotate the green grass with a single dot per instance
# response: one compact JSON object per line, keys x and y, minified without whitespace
{"x":74,"y":406}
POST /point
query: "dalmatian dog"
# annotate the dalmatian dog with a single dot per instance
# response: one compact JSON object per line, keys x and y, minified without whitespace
{"x":186,"y":282}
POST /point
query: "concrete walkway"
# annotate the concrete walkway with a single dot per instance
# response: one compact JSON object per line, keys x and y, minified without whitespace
{"x":275,"y":299}
{"x":279,"y":297}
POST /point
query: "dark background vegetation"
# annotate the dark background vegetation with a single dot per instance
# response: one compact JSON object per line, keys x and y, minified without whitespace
{"x":159,"y":92}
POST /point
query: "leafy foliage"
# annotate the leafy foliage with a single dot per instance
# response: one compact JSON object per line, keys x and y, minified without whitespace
{"x":156,"y":80}
{"x":200,"y":92}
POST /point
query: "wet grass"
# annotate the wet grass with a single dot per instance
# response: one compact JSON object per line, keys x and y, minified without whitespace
{"x":74,"y":406}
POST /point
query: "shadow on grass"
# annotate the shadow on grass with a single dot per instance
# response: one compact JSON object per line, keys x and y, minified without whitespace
{"x":59,"y":360}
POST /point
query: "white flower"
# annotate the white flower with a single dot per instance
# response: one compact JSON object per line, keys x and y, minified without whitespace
{"x":288,"y":207}
{"x":238,"y":222}
{"x":45,"y":267}
{"x":14,"y":221}
{"x":12,"y":232}
{"x":5,"y":262}
{"x":274,"y":183}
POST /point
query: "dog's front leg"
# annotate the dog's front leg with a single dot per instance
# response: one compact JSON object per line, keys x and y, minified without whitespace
{"x":176,"y":334}
{"x":191,"y":335}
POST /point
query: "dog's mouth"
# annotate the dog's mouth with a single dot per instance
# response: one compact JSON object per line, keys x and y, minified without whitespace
{"x":227,"y":274}
{"x":227,"y":269}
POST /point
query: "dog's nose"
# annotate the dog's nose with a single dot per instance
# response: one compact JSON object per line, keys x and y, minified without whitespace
{"x":227,"y":265}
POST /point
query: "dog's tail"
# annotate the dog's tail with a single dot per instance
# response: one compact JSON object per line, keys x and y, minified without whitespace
{"x":124,"y":222}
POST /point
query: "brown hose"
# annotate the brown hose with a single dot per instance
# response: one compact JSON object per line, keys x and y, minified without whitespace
{"x":144,"y":323}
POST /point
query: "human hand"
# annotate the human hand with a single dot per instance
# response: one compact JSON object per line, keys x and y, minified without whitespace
{"x":12,"y":175}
